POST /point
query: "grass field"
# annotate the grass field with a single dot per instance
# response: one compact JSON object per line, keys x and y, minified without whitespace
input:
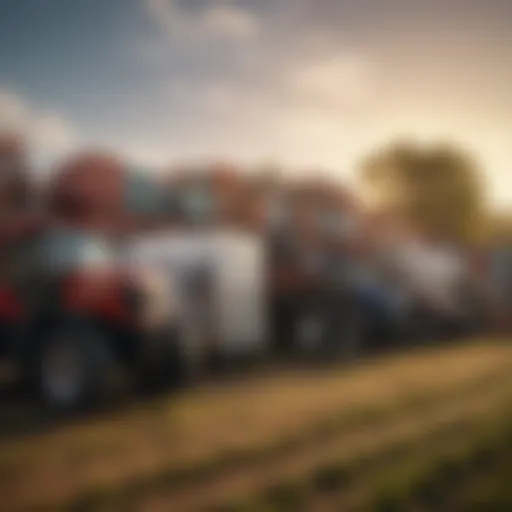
{"x":351,"y":438}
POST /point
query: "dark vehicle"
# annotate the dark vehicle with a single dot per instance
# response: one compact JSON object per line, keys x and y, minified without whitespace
{"x":72,"y":312}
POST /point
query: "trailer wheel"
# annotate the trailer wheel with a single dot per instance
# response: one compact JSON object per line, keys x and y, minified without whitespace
{"x":73,"y":367}
{"x":327,"y":327}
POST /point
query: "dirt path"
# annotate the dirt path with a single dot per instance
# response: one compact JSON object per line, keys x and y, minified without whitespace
{"x":203,"y":427}
{"x":365,"y":441}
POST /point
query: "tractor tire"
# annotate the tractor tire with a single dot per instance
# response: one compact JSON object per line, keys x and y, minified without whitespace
{"x":330,"y":326}
{"x":73,"y":367}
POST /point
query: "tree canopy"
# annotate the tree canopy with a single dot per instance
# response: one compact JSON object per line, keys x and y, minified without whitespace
{"x":438,"y":189}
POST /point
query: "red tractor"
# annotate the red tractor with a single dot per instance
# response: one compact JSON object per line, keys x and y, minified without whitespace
{"x":72,"y":311}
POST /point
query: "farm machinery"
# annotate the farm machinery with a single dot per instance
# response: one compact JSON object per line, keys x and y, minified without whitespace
{"x":72,"y":312}
{"x":113,"y":269}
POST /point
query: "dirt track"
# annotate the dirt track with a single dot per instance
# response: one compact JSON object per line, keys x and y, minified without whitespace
{"x":209,"y":445}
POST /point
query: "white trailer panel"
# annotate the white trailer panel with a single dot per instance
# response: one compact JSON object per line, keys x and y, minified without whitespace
{"x":238,"y":270}
{"x":218,"y":281}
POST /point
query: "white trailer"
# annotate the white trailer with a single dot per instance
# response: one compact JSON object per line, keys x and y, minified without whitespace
{"x":434,"y":273}
{"x":217,"y":281}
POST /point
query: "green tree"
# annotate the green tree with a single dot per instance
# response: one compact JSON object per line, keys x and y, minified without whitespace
{"x":499,"y":227}
{"x":437,"y":189}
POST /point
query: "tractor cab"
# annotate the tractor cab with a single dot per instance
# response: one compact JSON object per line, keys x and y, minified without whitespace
{"x":311,"y":238}
{"x":82,"y":310}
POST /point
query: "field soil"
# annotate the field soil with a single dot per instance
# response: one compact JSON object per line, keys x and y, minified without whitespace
{"x":236,"y":442}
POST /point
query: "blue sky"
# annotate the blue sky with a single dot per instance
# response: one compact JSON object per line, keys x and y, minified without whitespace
{"x":304,"y":82}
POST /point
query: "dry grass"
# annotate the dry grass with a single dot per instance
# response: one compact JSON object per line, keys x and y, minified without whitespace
{"x":203,"y":425}
{"x":329,"y":466}
{"x":461,"y":463}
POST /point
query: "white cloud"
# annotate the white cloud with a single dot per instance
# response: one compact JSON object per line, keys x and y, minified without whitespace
{"x":219,"y":20}
{"x":333,"y":88}
{"x":14,"y":113}
{"x":309,"y":113}
{"x":233,"y":102}
{"x":339,"y":81}
{"x":49,"y":135}
{"x":229,"y":20}
{"x":53,"y":133}
{"x":144,"y":154}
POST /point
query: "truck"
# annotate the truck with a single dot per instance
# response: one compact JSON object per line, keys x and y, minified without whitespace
{"x":307,"y":231}
{"x":160,"y":278}
{"x":300,"y":303}
{"x":106,"y":287}
{"x":436,"y":280}
{"x":217,"y":278}
{"x":73,"y":314}
{"x":323,"y":292}
{"x":327,"y":292}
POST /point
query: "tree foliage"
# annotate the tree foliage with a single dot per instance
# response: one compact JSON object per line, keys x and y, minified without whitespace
{"x":500,"y":227}
{"x":437,"y":189}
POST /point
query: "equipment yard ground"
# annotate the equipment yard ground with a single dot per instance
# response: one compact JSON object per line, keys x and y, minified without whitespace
{"x":328,"y":439}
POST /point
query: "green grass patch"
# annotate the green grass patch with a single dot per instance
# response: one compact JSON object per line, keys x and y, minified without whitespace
{"x":285,"y":496}
{"x":332,"y":477}
{"x":437,"y":481}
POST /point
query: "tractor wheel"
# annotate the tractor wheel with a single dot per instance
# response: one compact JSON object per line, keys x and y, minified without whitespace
{"x":73,"y":367}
